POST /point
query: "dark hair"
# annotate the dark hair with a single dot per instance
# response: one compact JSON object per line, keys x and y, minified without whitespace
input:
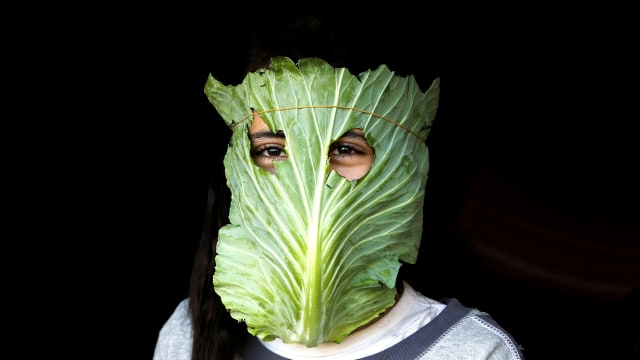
{"x":215,"y":334}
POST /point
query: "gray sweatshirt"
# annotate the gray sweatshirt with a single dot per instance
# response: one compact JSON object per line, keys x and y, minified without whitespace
{"x":415,"y":328}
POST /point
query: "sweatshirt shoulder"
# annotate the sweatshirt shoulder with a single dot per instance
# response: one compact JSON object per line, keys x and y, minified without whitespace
{"x":175,"y":337}
{"x":472,"y":334}
{"x":496,"y":336}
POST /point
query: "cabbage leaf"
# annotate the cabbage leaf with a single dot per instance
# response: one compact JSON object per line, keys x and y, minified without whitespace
{"x":309,"y":256}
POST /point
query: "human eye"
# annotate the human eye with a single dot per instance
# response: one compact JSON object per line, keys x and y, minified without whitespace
{"x":264,"y":154}
{"x":341,"y":151}
{"x":269,"y":152}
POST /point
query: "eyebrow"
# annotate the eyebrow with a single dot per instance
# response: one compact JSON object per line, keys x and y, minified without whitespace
{"x":351,"y":134}
{"x":266,"y":135}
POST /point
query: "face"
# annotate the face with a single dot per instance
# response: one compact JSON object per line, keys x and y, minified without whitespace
{"x":350,"y":155}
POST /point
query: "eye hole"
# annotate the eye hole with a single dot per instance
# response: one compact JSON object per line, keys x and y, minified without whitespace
{"x":266,"y":146}
{"x":265,"y":155}
{"x":350,"y":155}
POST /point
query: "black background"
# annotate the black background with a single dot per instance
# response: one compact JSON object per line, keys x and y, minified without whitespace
{"x":542,"y":96}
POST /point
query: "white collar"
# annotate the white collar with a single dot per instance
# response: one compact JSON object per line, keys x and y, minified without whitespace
{"x":412,"y":311}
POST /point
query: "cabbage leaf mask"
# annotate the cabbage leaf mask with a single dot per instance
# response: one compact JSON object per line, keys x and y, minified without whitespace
{"x":309,"y":256}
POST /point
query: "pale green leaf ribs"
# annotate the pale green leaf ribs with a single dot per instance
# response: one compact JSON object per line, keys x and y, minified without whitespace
{"x":309,"y":256}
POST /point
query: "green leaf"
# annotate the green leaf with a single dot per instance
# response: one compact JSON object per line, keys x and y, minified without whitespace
{"x":310,"y":256}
